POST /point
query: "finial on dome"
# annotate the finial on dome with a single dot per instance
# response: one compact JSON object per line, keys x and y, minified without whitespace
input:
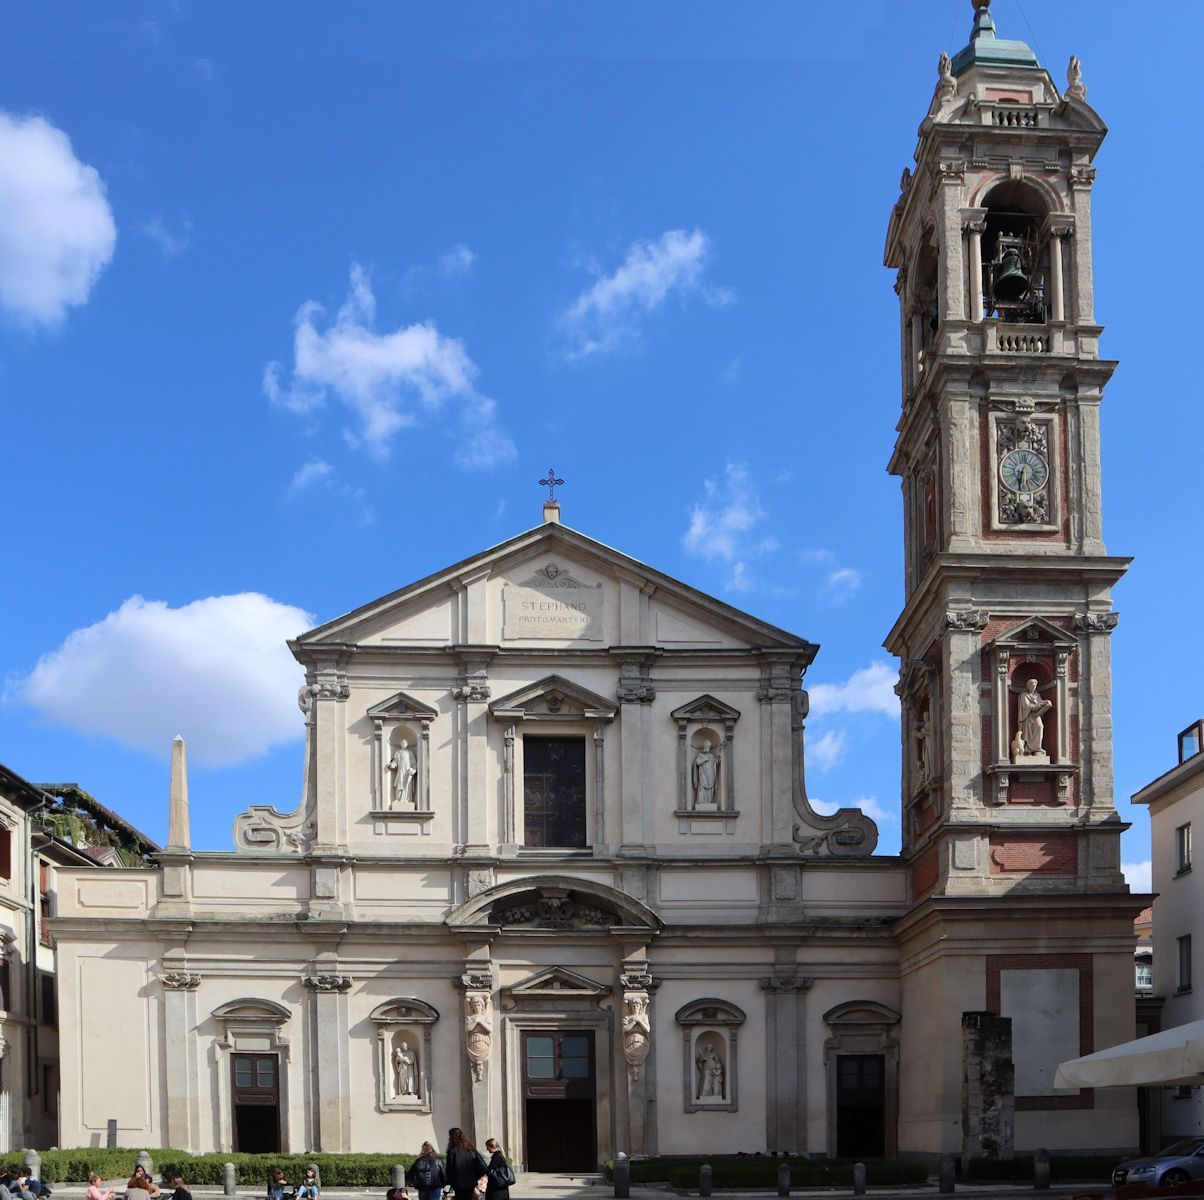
{"x":980,"y":4}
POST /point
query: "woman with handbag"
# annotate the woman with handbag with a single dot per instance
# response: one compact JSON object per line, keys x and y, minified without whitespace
{"x":499,"y":1174}
{"x":465,"y":1166}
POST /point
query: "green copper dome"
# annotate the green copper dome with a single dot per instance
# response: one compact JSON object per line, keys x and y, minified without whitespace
{"x":988,"y":50}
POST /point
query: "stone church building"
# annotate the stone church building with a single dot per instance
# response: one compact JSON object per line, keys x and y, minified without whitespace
{"x":554,"y":875}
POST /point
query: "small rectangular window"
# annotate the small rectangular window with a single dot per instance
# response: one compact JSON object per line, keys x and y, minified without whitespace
{"x":6,"y":994}
{"x":6,"y":853}
{"x":1191,"y":741}
{"x":1183,"y":848}
{"x":1185,"y":963}
{"x":1145,"y":977}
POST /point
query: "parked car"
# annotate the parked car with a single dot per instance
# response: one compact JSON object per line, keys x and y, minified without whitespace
{"x":1180,"y":1162}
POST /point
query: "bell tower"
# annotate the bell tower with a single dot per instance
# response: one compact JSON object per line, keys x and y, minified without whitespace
{"x":1010,"y":832}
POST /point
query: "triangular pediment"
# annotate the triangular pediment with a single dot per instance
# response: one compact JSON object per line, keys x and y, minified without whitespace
{"x":566,"y":565}
{"x":557,"y":982}
{"x":402,"y":708}
{"x":706,"y":708}
{"x":1037,"y":632}
{"x":554,"y":698}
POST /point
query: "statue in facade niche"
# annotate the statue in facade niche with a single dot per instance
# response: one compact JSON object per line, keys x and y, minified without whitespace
{"x":1031,"y":708}
{"x":710,"y":1072}
{"x":705,"y":775}
{"x":405,"y":1070}
{"x":404,"y":767}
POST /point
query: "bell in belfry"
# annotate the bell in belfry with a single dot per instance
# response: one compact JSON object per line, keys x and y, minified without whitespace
{"x":1011,"y":283}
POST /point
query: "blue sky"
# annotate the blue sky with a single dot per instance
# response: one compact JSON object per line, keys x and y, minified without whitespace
{"x":297,"y":304}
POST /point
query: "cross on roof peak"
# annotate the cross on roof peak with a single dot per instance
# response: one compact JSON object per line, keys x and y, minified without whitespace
{"x":551,"y":483}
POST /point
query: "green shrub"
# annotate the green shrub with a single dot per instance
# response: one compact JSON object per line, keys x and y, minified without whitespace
{"x":730,"y":1171}
{"x":250,"y":1170}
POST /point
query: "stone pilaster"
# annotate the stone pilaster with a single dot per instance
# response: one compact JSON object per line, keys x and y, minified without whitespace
{"x":329,"y":694}
{"x":332,"y":1074}
{"x":181,"y":1082}
{"x":786,"y":1062}
{"x":636,"y":1019}
{"x":477,"y":982}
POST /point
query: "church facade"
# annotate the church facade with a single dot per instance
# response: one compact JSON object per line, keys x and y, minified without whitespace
{"x":554,"y":876}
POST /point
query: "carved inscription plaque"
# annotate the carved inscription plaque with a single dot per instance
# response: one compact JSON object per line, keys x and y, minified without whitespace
{"x":1053,"y":855}
{"x":552,"y":604}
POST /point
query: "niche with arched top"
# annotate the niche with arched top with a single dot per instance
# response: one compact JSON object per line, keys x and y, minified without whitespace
{"x":1015,"y":253}
{"x":710,"y":1045}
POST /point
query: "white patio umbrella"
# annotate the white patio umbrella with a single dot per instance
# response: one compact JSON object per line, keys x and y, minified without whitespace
{"x":1174,"y":1056}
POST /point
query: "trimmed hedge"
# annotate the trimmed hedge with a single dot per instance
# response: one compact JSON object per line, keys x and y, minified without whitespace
{"x":732,"y":1171}
{"x":251,"y":1170}
{"x":1090,"y":1168}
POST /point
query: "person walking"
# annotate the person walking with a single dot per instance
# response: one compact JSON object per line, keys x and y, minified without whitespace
{"x":465,"y":1166}
{"x":426,"y":1173}
{"x":499,"y":1173}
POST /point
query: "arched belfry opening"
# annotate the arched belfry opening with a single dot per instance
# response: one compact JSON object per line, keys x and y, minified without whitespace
{"x":1015,"y":254}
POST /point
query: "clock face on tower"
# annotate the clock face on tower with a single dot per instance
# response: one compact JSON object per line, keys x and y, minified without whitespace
{"x":1024,"y":471}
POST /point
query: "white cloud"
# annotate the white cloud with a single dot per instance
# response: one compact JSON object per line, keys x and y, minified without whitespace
{"x":316,"y":474}
{"x":309,"y":475}
{"x":869,"y":689}
{"x":387,"y":381}
{"x":1138,"y":875}
{"x":170,"y":241}
{"x":828,"y":749}
{"x":458,"y":260}
{"x":723,"y":525}
{"x":868,"y":805}
{"x":216,"y":670}
{"x":606,"y":313}
{"x":56,"y":228}
{"x":844,"y":581}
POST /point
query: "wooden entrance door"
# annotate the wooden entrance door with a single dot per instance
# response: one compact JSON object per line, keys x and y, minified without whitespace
{"x":255,"y":1102}
{"x":559,"y":1100}
{"x":860,"y":1106}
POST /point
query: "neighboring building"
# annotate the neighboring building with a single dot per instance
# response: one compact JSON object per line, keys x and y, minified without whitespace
{"x":43,"y":828}
{"x":554,"y":875}
{"x":1176,"y":801}
{"x":1143,"y":953}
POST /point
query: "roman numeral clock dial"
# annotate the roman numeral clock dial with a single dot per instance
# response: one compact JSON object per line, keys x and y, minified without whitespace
{"x":1024,"y":471}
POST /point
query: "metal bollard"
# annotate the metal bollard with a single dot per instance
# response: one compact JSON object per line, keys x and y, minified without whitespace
{"x":947,"y":1175}
{"x":1041,"y":1170}
{"x":859,"y":1179}
{"x":228,"y":1179}
{"x":622,"y":1175}
{"x":704,"y":1179}
{"x":111,"y":1135}
{"x":399,"y":1176}
{"x":784,"y":1179}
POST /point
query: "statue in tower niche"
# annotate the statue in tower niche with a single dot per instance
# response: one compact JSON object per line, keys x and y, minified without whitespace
{"x":404,"y":767}
{"x":405,"y":1070}
{"x":705,"y":775}
{"x":1031,"y":708}
{"x":923,"y":732}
